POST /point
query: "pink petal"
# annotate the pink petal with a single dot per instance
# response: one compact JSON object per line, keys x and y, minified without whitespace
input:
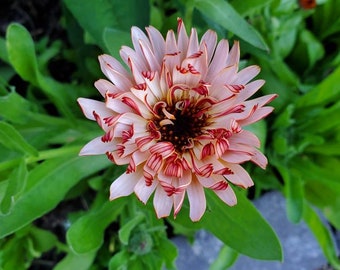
{"x":209,"y":38}
{"x":105,"y":86}
{"x":143,"y":191}
{"x":162,"y":202}
{"x":197,"y":200}
{"x":227,"y":195}
{"x":157,"y":42}
{"x":259,"y":159}
{"x":239,"y":177}
{"x":124,"y":185}
{"x":219,"y":60}
{"x":89,"y":106}
{"x":96,"y":147}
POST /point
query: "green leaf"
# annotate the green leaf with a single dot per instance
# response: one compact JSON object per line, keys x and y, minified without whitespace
{"x":168,"y":252}
{"x":322,"y":235}
{"x":114,"y":39}
{"x":43,"y":240}
{"x":293,"y":190}
{"x":21,"y":52}
{"x":108,"y":13}
{"x":47,"y":184}
{"x":12,"y":139}
{"x":125,"y":231}
{"x":225,"y":259}
{"x":325,"y":92}
{"x":75,"y":261}
{"x":14,"y":108}
{"x":241,"y":227}
{"x":120,"y":261}
{"x":16,"y":184}
{"x":87,"y":233}
{"x":224,"y":14}
{"x":247,"y":7}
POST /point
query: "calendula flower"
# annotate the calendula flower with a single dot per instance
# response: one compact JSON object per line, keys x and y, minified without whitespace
{"x":176,"y":119}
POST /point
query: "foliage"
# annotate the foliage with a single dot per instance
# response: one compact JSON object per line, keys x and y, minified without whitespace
{"x":42,"y":130}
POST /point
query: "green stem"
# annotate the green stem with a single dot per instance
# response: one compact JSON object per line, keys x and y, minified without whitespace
{"x":43,"y":155}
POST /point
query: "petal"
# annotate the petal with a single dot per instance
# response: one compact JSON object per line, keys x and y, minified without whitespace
{"x":227,"y":195}
{"x":97,"y":147}
{"x":105,"y":86}
{"x":259,"y":159}
{"x":157,"y":42}
{"x":197,"y":200}
{"x":115,"y":72}
{"x":240,"y":176}
{"x":124,"y":184}
{"x":89,"y":106}
{"x":162,"y":202}
{"x":143,"y":191}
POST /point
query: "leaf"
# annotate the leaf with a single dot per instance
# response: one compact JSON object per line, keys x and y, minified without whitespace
{"x":75,"y":261}
{"x":14,"y":108}
{"x":120,"y":260}
{"x":247,"y":7}
{"x":322,"y":235}
{"x":114,"y":39}
{"x":16,"y":184}
{"x":168,"y":252}
{"x":87,"y":233}
{"x":325,"y":92}
{"x":241,"y":227}
{"x":21,"y":53}
{"x":43,"y":240}
{"x":125,"y":231}
{"x":12,"y":139}
{"x":293,"y":190}
{"x":47,"y":184}
{"x":224,"y":14}
{"x":108,"y":13}
{"x":225,"y":259}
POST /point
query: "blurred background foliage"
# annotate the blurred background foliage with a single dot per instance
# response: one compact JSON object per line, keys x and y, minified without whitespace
{"x":54,"y":208}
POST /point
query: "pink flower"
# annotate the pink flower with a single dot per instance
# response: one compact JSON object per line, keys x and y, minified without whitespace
{"x":176,"y":119}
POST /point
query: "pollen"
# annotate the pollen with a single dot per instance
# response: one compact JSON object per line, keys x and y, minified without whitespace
{"x":185,"y":124}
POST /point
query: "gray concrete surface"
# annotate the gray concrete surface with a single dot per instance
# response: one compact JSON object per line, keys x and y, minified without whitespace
{"x":301,"y":250}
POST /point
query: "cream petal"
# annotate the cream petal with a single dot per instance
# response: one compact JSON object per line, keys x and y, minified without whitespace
{"x":162,"y":202}
{"x":143,"y":191}
{"x":197,"y":200}
{"x":219,"y":60}
{"x":193,"y":46}
{"x":244,"y":137}
{"x":115,"y":72}
{"x":259,"y":159}
{"x":234,"y":55}
{"x":104,"y":86}
{"x":249,"y":90}
{"x":157,"y":42}
{"x":240,"y":176}
{"x":227,"y":195}
{"x":89,"y":106}
{"x":178,"y":202}
{"x":182,"y":39}
{"x":96,"y":147}
{"x":246,"y":74}
{"x":209,"y":38}
{"x":124,"y":185}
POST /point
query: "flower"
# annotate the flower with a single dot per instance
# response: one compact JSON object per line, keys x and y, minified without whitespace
{"x":176,"y":119}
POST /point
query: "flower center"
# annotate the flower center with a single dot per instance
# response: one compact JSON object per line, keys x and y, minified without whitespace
{"x":181,"y":123}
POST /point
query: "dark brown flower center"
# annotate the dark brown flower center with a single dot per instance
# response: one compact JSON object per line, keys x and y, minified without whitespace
{"x":181,"y":124}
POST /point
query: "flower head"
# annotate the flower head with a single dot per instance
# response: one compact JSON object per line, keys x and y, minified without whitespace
{"x":176,"y":119}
